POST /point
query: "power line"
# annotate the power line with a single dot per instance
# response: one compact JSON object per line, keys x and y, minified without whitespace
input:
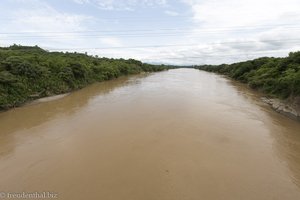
{"x":173,"y":45}
{"x":149,"y":34}
{"x":162,"y":16}
{"x":204,"y":55}
{"x":79,"y":37}
{"x":155,"y":30}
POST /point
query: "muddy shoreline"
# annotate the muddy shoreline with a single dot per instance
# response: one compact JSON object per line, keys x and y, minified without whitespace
{"x":289,"y":108}
{"x":46,"y":99}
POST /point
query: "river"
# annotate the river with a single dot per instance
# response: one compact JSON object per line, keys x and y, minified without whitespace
{"x":181,"y":134}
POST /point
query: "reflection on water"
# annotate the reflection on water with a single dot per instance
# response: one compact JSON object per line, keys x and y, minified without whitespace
{"x":179,"y":134}
{"x":284,"y":131}
{"x":26,"y":117}
{"x":287,"y":144}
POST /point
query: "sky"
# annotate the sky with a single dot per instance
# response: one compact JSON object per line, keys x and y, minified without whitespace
{"x":179,"y":32}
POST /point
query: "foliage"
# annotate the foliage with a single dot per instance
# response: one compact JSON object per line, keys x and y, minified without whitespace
{"x":277,"y":77}
{"x":30,"y":72}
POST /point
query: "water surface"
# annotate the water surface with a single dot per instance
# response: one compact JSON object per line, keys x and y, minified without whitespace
{"x":181,"y":134}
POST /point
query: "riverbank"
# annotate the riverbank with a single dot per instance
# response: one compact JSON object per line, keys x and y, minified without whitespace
{"x":277,"y":78}
{"x":39,"y":100}
{"x":289,"y":108}
{"x":46,"y":99}
{"x":36,"y":99}
{"x":29,"y":73}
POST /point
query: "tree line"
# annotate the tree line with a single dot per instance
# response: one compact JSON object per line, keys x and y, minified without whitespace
{"x":27,"y":73}
{"x":276,"y":77}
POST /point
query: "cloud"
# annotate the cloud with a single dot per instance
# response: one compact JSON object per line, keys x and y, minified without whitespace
{"x":171,"y":13}
{"x":210,"y":31}
{"x":233,"y":30}
{"x":37,"y":23}
{"x":81,"y":1}
{"x":111,"y":41}
{"x":122,"y":4}
{"x":230,"y":31}
{"x":236,"y":12}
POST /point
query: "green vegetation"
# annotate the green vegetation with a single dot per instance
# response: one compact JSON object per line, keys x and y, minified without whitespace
{"x":28,"y":73}
{"x":277,"y":77}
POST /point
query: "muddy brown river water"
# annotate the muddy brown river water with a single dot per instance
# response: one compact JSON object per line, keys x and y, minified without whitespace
{"x":181,"y":134}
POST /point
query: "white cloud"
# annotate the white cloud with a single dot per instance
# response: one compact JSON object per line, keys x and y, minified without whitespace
{"x":222,"y":31}
{"x":122,"y":4}
{"x":241,"y":12}
{"x":37,"y":23}
{"x":230,"y":31}
{"x":235,"y":30}
{"x":111,"y":41}
{"x":81,"y":1}
{"x":171,"y":13}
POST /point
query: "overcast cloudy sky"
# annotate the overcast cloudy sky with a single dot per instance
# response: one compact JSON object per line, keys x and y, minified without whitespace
{"x":157,"y":31}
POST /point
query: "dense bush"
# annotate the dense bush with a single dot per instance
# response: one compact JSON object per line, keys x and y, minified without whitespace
{"x":31,"y":72}
{"x":277,"y":77}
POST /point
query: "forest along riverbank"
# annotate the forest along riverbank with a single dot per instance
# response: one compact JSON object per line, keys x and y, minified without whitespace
{"x":181,"y":134}
{"x":29,"y":73}
{"x":277,"y":78}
